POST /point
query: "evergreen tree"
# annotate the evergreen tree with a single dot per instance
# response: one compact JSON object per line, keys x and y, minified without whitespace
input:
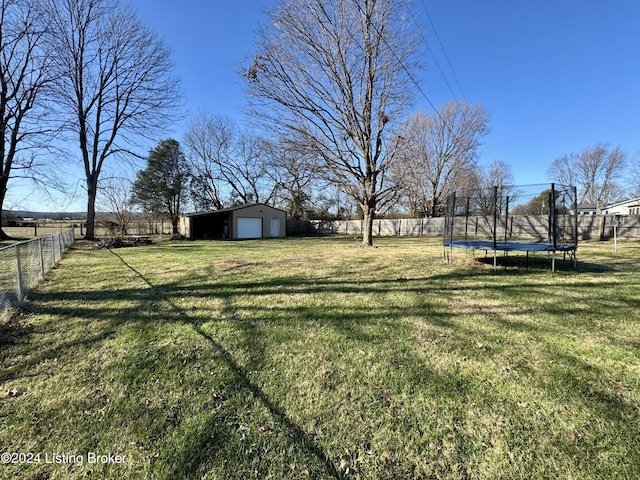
{"x":162,"y":187}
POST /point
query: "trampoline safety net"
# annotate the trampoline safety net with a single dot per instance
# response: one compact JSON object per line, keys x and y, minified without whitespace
{"x":513,"y":218}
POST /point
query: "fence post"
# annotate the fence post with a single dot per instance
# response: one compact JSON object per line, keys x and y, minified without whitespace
{"x":19,"y":274}
{"x":41,"y":257}
{"x":53,"y":252}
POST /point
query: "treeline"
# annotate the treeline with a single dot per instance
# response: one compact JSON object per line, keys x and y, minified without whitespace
{"x":330,"y":97}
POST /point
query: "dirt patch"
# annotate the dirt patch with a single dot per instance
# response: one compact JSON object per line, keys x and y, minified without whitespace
{"x":229,"y":264}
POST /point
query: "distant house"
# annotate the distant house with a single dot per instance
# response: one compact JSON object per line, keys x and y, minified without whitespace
{"x":255,"y":220}
{"x":587,"y":209}
{"x":626,"y":207}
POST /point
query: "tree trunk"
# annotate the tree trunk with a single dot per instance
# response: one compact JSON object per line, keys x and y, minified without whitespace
{"x":434,"y":199}
{"x":367,"y":227}
{"x":92,"y":189}
{"x":4,"y":179}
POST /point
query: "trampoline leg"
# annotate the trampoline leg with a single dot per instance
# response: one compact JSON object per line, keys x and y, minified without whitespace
{"x":553,"y":261}
{"x":495,"y":260}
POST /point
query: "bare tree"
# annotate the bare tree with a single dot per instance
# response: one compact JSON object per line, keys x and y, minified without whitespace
{"x":594,"y":172}
{"x":294,"y":171}
{"x":338,"y":73}
{"x":23,"y":78}
{"x":208,"y":142}
{"x":246,"y":170}
{"x":226,"y":161}
{"x":564,"y":169}
{"x":439,"y":154}
{"x":499,"y":174}
{"x":114,"y":198}
{"x":113,"y":81}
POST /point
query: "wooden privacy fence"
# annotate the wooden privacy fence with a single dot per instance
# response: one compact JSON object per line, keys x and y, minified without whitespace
{"x":590,"y":227}
{"x":431,"y":227}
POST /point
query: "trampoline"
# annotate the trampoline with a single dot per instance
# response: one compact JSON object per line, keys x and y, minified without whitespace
{"x":514,"y":219}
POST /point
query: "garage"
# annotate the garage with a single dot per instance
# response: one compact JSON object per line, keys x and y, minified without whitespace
{"x":256,"y":220}
{"x":249,"y":228}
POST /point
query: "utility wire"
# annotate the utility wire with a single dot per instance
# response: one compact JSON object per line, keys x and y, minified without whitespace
{"x":400,"y":62}
{"x":435,"y":59}
{"x":446,"y":56}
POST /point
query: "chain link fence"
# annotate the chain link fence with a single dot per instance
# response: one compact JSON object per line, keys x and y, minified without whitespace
{"x":24,"y":264}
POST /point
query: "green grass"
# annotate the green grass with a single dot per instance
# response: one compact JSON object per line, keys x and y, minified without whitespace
{"x":316,"y":358}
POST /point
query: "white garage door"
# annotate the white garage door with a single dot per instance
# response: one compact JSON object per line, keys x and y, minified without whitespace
{"x":249,"y":228}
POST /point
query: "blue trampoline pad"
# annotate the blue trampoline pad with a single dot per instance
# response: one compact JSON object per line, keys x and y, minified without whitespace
{"x":510,"y":246}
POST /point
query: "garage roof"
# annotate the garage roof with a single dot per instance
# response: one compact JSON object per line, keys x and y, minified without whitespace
{"x":230,"y":209}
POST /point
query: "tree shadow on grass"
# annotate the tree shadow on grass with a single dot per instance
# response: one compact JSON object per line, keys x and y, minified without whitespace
{"x":194,"y":454}
{"x":202,"y":443}
{"x":15,"y":330}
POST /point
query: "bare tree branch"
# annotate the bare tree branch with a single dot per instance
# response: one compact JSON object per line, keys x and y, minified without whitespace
{"x":595,"y":172}
{"x":226,"y":160}
{"x":437,"y":154}
{"x":23,"y":81}
{"x":114,"y":198}
{"x":337,"y":73}
{"x":113,"y":83}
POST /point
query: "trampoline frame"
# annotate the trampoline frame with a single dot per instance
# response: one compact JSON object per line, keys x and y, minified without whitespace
{"x":551,"y":246}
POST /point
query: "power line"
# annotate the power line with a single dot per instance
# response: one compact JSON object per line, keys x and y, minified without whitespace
{"x":444,"y":51}
{"x":435,"y":60}
{"x":446,"y":56}
{"x":400,"y":62}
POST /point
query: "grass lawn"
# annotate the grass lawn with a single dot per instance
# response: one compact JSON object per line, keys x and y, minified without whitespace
{"x":316,"y":358}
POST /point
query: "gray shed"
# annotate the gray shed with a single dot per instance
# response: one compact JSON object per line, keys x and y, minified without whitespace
{"x":255,"y":220}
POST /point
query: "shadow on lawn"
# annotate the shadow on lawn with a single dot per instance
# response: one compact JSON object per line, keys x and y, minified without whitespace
{"x":203,"y":443}
{"x":14,"y":331}
{"x":517,"y":264}
{"x":350,"y":321}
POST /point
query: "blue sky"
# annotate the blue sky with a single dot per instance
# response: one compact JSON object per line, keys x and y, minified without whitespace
{"x":555,"y":76}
